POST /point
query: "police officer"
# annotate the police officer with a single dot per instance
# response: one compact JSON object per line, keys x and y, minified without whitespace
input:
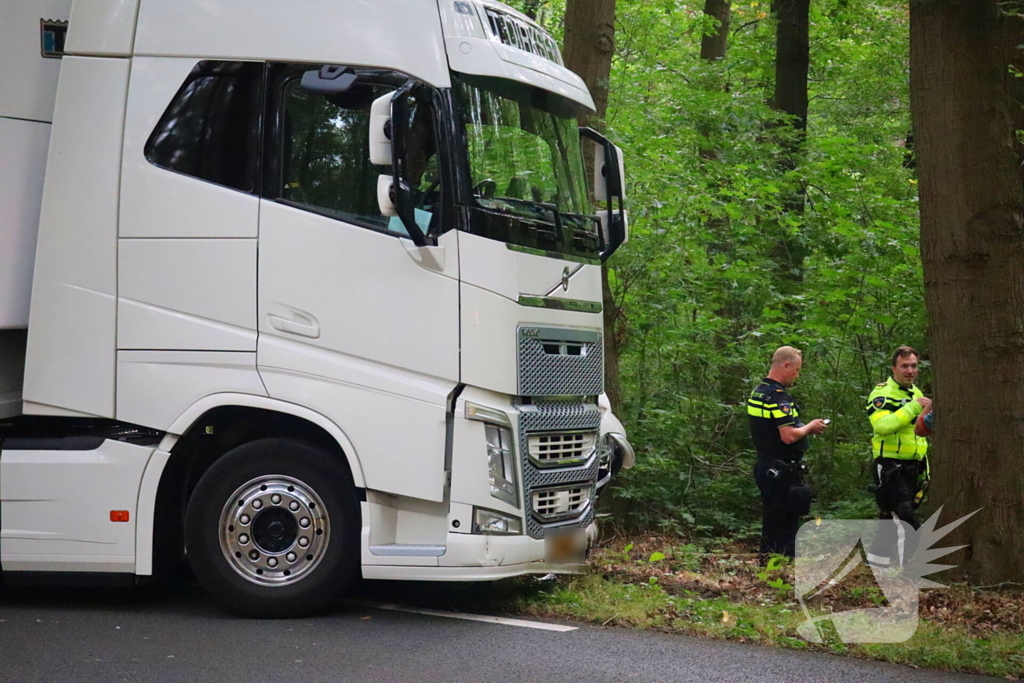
{"x":899,"y":460}
{"x":900,"y":456}
{"x":780,"y":437}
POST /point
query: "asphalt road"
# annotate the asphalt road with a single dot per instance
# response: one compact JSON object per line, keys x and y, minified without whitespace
{"x":180,"y":634}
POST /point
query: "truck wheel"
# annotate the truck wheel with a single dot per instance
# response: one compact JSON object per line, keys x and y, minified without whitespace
{"x":272,"y":528}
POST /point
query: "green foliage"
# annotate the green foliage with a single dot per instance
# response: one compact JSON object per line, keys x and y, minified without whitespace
{"x":649,"y":605}
{"x":734,"y":253}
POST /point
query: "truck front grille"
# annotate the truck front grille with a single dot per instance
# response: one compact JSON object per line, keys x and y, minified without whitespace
{"x":561,"y":448}
{"x":558,"y":362}
{"x":552,"y":505}
{"x":558,"y":426}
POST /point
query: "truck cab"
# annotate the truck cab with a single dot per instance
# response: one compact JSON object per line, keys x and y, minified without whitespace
{"x":299,"y":294}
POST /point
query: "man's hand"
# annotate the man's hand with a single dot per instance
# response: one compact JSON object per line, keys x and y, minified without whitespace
{"x":816,"y":426}
{"x":790,"y":434}
{"x":925,"y":402}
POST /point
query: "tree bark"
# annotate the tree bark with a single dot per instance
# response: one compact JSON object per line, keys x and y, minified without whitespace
{"x":792,"y":59}
{"x":972,"y":224}
{"x":714,"y":45}
{"x":589,"y":46}
{"x":792,"y":64}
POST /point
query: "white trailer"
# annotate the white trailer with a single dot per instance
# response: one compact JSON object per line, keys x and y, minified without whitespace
{"x":295,"y":292}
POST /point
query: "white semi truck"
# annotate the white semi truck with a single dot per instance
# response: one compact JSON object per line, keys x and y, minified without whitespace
{"x":294,"y":291}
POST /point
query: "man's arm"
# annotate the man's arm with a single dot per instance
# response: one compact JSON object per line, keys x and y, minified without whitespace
{"x":790,"y":434}
{"x":923,"y":426}
{"x":886,"y":422}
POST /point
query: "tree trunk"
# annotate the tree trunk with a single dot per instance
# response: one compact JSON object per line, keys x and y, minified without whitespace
{"x":792,"y":63}
{"x":589,"y":46}
{"x":792,"y":59}
{"x":713,"y":48}
{"x":972,"y":223}
{"x":714,"y":45}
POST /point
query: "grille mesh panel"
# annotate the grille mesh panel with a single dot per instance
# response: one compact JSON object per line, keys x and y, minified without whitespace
{"x":551,"y":449}
{"x":552,"y":504}
{"x":560,"y":362}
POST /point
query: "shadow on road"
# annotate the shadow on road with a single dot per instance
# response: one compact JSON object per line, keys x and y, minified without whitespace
{"x":185,"y":596}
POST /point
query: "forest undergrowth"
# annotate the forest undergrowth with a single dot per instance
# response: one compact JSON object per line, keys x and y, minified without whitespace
{"x":715,"y":588}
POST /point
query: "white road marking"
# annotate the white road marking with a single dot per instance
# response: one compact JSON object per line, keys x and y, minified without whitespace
{"x":468,"y":617}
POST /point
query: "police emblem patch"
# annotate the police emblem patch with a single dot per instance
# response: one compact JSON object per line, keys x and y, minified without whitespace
{"x":785,"y":408}
{"x":879,"y":401}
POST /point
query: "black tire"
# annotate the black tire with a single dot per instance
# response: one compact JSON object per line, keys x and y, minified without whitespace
{"x":322,"y":495}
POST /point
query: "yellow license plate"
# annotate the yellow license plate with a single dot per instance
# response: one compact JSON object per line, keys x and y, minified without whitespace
{"x":566,"y":547}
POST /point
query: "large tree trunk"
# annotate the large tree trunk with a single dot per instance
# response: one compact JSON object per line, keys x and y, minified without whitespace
{"x":589,"y":46}
{"x":792,"y":62}
{"x":972,"y":225}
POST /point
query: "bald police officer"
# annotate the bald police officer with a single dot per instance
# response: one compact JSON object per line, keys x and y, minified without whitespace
{"x":780,"y":437}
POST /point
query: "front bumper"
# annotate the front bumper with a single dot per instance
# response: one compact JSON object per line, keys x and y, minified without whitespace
{"x":475,"y":557}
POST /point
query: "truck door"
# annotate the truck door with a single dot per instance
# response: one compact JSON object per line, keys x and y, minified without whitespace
{"x":354,"y":322}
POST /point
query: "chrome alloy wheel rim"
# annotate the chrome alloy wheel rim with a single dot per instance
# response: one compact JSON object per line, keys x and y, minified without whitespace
{"x":274,"y":530}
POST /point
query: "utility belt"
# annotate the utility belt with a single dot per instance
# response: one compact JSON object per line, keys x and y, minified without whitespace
{"x":791,"y":473}
{"x":791,"y":469}
{"x":888,"y":470}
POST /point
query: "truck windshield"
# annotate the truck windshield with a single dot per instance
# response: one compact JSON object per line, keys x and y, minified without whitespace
{"x":524,"y":151}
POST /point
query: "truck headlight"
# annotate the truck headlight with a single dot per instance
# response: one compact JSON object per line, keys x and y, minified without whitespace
{"x":491,"y":522}
{"x":501,"y":464}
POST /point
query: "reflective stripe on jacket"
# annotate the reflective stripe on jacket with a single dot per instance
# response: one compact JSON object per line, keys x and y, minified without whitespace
{"x":892,"y":410}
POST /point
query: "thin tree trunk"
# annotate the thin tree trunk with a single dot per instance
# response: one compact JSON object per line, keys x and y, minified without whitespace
{"x":714,"y":47}
{"x":589,"y":46}
{"x":792,"y":63}
{"x":972,"y":224}
{"x":792,"y":59}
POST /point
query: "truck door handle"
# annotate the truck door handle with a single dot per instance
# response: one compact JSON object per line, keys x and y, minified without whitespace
{"x":305,"y":328}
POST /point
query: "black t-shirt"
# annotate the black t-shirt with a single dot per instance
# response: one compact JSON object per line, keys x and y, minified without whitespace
{"x":770,"y":407}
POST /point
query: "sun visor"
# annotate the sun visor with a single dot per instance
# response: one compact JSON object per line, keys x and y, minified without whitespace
{"x":492,"y":39}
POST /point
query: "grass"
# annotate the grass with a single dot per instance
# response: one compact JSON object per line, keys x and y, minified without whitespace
{"x":653,"y":585}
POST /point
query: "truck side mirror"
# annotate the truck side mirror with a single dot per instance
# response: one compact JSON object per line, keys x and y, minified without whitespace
{"x":609,"y":187}
{"x":385,"y":195}
{"x":380,"y":130}
{"x":404,"y":107}
{"x":602,"y":181}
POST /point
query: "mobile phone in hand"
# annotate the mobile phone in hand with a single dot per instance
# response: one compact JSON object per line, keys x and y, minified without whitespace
{"x":827,"y":421}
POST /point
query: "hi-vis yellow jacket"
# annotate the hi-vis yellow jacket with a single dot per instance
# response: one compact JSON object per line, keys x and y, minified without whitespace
{"x":892,"y":410}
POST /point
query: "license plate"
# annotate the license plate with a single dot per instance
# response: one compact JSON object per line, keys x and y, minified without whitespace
{"x":567,"y":547}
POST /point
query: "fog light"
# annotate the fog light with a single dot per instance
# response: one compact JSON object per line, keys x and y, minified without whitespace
{"x":491,"y":522}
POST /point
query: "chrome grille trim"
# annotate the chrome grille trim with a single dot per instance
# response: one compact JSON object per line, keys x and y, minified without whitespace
{"x":553,"y":449}
{"x":562,"y":503}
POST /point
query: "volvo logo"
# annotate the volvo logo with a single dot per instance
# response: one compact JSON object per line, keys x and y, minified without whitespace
{"x":565,"y":279}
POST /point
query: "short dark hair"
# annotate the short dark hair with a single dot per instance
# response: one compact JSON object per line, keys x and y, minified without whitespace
{"x":903,"y":352}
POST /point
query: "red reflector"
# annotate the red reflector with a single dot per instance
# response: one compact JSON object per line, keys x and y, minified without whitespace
{"x":118,"y":515}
